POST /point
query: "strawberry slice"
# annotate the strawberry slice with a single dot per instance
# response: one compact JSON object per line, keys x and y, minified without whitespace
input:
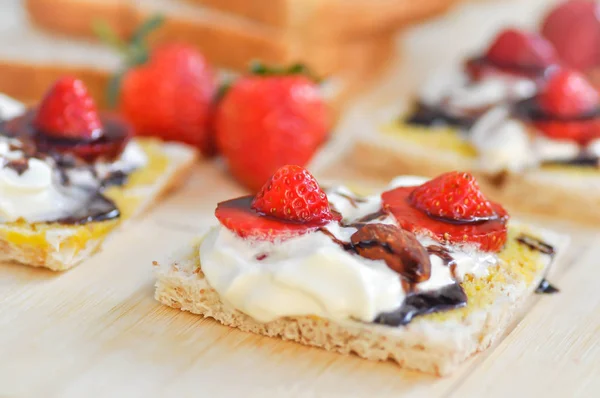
{"x":452,"y":196}
{"x":489,"y":234}
{"x":108,"y":147}
{"x":580,"y":131}
{"x":571,"y":106}
{"x":293,"y":194}
{"x":568,"y":94}
{"x":573,"y":27}
{"x":238,"y":216}
{"x":68,"y":112}
{"x":518,"y":48}
{"x":289,"y":204}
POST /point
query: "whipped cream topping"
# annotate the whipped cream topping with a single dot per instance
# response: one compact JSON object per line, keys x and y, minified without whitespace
{"x":132,"y":158}
{"x":32,"y":189}
{"x":506,"y":143}
{"x":456,"y":92}
{"x":313,"y":275}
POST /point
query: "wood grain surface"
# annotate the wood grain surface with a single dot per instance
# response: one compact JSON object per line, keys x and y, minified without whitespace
{"x":96,"y":331}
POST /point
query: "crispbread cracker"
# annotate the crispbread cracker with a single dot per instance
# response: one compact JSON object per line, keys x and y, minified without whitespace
{"x":436,"y":343}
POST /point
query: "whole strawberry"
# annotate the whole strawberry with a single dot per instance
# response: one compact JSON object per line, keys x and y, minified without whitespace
{"x":166,"y":92}
{"x":266,"y":121}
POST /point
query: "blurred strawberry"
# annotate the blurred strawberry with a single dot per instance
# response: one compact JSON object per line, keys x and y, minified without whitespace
{"x":519,"y":48}
{"x":166,"y":92}
{"x":573,"y":27}
{"x":568,"y":94}
{"x":569,"y":98}
{"x":267,"y":120}
{"x":68,"y":111}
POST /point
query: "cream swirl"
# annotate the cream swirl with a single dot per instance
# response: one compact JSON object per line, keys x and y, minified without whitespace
{"x":30,"y":189}
{"x":506,"y":143}
{"x":456,"y":92}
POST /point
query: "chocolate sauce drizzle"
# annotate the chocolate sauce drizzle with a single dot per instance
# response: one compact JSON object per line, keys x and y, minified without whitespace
{"x":432,"y":116}
{"x":20,"y":166}
{"x":583,"y":160}
{"x":98,"y":207}
{"x":416,"y":304}
{"x":529,"y":110}
{"x":540,"y":246}
{"x":444,"y":254}
{"x":354,"y":201}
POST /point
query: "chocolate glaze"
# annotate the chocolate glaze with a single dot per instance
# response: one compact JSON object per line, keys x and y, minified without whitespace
{"x":353,"y":201}
{"x":529,"y":110}
{"x":444,"y":254}
{"x":422,"y":303}
{"x":98,"y":208}
{"x":546,"y":288}
{"x":22,"y":127}
{"x":476,"y":64}
{"x":536,"y":244}
{"x":115,"y":178}
{"x":37,"y":145}
{"x":378,"y":215}
{"x":583,"y":160}
{"x":431,"y":116}
{"x":20,"y":166}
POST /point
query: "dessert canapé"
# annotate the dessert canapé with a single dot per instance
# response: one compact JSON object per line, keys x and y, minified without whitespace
{"x":70,"y":174}
{"x":425,"y":273}
{"x":508,"y":71}
{"x":558,"y":126}
{"x":547,"y":141}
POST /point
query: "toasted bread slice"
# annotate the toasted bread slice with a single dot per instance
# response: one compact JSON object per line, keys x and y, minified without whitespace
{"x":27,"y":70}
{"x":436,"y":343}
{"x":332,"y":20}
{"x":226,"y":40}
{"x":60,"y":247}
{"x":569,"y":192}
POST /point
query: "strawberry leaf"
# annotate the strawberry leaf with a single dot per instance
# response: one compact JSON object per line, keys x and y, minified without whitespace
{"x":107,"y":35}
{"x":260,"y":69}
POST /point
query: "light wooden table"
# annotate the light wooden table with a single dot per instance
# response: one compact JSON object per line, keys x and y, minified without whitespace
{"x":96,"y":331}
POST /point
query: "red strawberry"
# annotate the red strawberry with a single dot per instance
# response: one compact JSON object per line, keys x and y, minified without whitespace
{"x":580,"y":131}
{"x":68,"y":112}
{"x":289,"y":204}
{"x":465,"y":224}
{"x":568,"y":94}
{"x":108,"y":146}
{"x":238,"y":216}
{"x":574,"y":29}
{"x":170,"y":96}
{"x":518,"y":48}
{"x":293,"y":194}
{"x":452,"y":196}
{"x":265,"y":122}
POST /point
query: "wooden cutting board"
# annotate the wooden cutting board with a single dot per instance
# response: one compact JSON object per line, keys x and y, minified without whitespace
{"x":96,"y":331}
